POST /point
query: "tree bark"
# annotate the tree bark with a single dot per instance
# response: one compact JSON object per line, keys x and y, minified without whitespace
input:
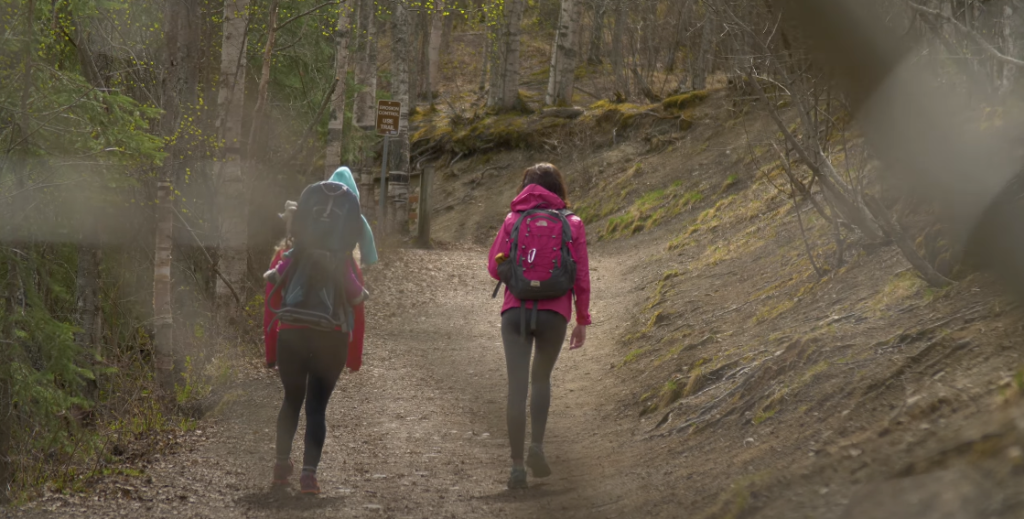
{"x":177,"y":89}
{"x":1009,"y":49}
{"x":893,"y":232}
{"x":618,"y":58}
{"x":434,"y":49}
{"x":232,"y":253}
{"x":261,"y":92}
{"x":87,"y":278}
{"x":336,"y":125}
{"x":87,"y":298}
{"x":6,"y":423}
{"x":366,"y":67}
{"x":702,"y":59}
{"x":504,"y":68}
{"x":163,"y":318}
{"x":563,"y":57}
{"x":594,"y":52}
{"x":398,"y":190}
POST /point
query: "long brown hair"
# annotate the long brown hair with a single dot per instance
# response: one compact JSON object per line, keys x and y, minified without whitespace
{"x":547,"y":176}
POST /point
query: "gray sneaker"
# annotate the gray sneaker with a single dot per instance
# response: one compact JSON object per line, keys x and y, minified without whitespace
{"x":538,"y":465}
{"x":517,"y":479}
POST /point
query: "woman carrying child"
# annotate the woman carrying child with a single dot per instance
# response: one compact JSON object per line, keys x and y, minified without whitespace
{"x":310,"y":360}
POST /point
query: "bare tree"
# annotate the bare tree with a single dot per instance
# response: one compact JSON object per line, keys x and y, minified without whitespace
{"x":599,"y":8}
{"x":563,"y":56}
{"x":336,"y":124}
{"x":178,"y":89}
{"x":230,"y":188}
{"x":504,"y":84}
{"x":434,"y":53}
{"x":366,"y":65}
{"x":618,"y":42}
{"x":400,"y":50}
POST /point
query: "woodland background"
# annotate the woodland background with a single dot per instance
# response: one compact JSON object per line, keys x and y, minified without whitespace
{"x":148,"y":145}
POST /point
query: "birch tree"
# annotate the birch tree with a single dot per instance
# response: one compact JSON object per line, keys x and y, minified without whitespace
{"x":400,"y":91}
{"x":434,"y":48}
{"x":178,"y":89}
{"x":230,"y":188}
{"x":504,"y":93}
{"x":563,"y":56}
{"x":335,"y":127}
{"x":366,"y":66}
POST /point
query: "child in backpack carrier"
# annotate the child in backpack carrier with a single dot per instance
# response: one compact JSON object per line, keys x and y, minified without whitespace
{"x":355,"y":292}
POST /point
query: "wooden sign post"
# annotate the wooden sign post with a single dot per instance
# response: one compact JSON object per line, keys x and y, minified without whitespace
{"x":388,"y":117}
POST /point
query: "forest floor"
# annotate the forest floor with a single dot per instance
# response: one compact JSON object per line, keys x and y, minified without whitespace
{"x":418,"y":432}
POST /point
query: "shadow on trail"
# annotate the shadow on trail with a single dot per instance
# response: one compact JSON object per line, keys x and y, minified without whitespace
{"x":286,"y":501}
{"x":536,"y":492}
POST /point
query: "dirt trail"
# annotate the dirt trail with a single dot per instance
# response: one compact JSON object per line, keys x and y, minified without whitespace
{"x":419,"y":432}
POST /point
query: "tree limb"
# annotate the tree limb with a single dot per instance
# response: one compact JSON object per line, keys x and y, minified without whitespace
{"x":986,"y":46}
{"x":305,"y":13}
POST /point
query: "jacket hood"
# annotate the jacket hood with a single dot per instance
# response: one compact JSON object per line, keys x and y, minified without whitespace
{"x":534,"y":196}
{"x":344,"y":176}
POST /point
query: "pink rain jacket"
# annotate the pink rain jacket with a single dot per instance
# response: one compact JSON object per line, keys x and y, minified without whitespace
{"x":534,"y":196}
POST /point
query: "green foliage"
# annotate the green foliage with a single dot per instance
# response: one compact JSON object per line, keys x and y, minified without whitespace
{"x":651,"y":209}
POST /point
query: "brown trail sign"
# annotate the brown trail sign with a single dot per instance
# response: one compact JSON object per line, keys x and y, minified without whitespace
{"x":388,"y":115}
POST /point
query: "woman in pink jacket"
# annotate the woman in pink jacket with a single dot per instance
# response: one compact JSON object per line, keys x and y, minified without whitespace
{"x":542,"y":188}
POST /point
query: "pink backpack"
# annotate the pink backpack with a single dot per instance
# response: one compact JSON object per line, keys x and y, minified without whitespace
{"x":540,"y":264}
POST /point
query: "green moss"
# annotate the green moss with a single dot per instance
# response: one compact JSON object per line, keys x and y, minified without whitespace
{"x":683,"y":101}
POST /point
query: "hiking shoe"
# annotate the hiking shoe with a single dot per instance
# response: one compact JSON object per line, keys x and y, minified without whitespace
{"x":538,"y":465}
{"x":308,"y":484}
{"x":517,"y":479}
{"x":282,"y":471}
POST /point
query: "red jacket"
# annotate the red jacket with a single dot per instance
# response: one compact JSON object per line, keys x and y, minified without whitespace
{"x":534,"y":196}
{"x":355,"y":344}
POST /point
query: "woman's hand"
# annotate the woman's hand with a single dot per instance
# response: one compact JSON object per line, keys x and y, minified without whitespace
{"x":578,"y":337}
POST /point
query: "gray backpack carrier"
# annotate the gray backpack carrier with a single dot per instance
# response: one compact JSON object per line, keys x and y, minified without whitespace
{"x":540,"y":264}
{"x":326,"y":227}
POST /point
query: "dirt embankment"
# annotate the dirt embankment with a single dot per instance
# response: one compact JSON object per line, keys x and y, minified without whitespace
{"x":755,"y":387}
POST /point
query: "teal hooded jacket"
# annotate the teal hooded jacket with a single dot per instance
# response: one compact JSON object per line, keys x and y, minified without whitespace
{"x":367,"y":247}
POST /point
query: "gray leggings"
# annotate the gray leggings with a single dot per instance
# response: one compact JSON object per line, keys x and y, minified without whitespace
{"x":547,"y":339}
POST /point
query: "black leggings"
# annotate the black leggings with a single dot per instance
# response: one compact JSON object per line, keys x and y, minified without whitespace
{"x":310,"y":362}
{"x":547,"y":339}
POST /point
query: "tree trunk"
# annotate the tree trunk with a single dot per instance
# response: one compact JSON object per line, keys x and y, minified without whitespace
{"x":6,"y":423}
{"x":893,"y":232}
{"x":618,"y":58}
{"x":87,"y":278}
{"x":594,"y":56}
{"x":423,"y":62}
{"x":434,"y":52}
{"x":398,"y":189}
{"x":504,"y":85}
{"x":677,"y":36}
{"x":335,"y":128}
{"x":178,"y":89}
{"x":258,"y":116}
{"x":163,"y":318}
{"x":232,"y":254}
{"x":563,"y":57}
{"x":448,"y":26}
{"x":1009,"y":49}
{"x":366,"y":67}
{"x":87,"y":298}
{"x":702,"y":59}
